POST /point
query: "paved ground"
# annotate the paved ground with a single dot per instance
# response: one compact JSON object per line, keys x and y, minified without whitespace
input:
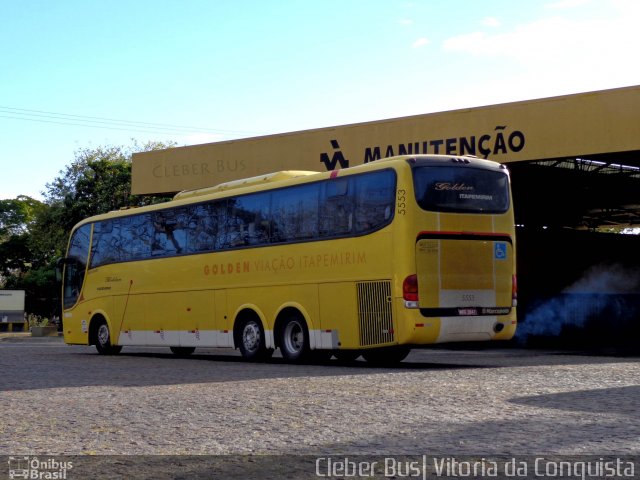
{"x":58,"y":399}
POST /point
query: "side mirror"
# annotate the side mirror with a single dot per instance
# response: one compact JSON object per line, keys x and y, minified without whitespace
{"x":59,"y":266}
{"x":60,"y":263}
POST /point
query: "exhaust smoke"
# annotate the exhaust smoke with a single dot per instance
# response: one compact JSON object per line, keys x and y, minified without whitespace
{"x":607,"y":295}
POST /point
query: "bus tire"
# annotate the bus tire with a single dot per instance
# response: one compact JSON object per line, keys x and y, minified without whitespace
{"x":251,"y":340}
{"x":386,"y":355}
{"x":103,"y":339}
{"x":182,"y":351}
{"x":294,"y":339}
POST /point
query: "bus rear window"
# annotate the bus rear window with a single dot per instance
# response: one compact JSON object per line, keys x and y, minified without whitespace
{"x":461,"y":189}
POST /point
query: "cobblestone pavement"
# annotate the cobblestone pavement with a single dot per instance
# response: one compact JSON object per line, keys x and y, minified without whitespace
{"x":58,"y":399}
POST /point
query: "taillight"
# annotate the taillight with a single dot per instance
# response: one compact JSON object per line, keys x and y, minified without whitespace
{"x":514,"y":291}
{"x":410,"y":291}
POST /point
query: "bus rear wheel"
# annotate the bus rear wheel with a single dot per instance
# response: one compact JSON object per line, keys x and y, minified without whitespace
{"x":182,"y":351}
{"x":103,"y":340}
{"x":294,"y":339}
{"x":251,"y":340}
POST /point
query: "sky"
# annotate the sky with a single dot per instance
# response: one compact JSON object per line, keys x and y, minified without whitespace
{"x":77,"y":74}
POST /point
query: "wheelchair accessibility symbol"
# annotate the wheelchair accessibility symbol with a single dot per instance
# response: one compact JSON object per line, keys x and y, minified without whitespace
{"x":500,"y":250}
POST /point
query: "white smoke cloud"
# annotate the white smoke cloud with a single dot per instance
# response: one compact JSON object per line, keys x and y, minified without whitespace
{"x":599,"y":290}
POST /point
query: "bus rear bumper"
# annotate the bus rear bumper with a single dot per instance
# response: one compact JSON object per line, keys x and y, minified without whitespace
{"x":419,"y":330}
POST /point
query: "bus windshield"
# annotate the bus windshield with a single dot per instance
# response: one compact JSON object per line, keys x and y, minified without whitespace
{"x":463,"y":190}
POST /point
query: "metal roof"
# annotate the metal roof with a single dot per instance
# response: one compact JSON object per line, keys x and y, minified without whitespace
{"x":586,"y":192}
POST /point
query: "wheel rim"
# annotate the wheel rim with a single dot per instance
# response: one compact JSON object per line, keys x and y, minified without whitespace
{"x":294,"y":337}
{"x":103,"y":334}
{"x":251,"y":337}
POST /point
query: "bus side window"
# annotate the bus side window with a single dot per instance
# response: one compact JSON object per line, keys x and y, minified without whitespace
{"x":375,"y":196}
{"x":169,"y":233}
{"x":336,"y":208}
{"x":247,"y":220}
{"x":295,"y":213}
{"x":101,"y":251}
{"x":220,"y":215}
{"x":202,"y":228}
{"x":137,"y":235}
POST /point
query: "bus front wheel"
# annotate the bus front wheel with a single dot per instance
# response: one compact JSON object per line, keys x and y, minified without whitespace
{"x":294,"y":339}
{"x":103,"y":339}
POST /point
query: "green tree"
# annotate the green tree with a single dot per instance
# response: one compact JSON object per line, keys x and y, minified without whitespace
{"x":17,"y":217}
{"x":97,"y":181}
{"x":34,"y":234}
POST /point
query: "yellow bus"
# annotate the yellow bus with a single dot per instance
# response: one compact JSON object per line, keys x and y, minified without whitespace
{"x":371,"y":260}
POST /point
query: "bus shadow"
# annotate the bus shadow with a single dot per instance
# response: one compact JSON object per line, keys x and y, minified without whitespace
{"x":359,"y":364}
{"x":79,"y":366}
{"x":66,"y":368}
{"x":617,"y":400}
